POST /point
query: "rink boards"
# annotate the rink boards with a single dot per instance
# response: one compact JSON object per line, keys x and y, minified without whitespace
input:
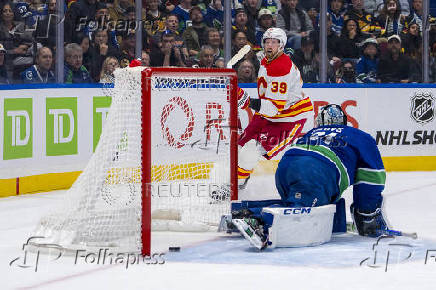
{"x":49,"y":133}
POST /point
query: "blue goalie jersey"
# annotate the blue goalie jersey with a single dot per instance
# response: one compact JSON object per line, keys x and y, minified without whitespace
{"x":351,"y":157}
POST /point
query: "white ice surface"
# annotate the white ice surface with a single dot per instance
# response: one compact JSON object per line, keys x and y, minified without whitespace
{"x":212,"y":261}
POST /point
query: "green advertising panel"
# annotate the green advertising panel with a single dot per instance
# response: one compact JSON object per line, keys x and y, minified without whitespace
{"x":100,"y":108}
{"x":61,"y":126}
{"x":18,"y":128}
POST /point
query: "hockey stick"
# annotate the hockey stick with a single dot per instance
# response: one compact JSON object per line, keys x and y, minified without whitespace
{"x":352,"y":228}
{"x":400,"y":234}
{"x":237,"y":57}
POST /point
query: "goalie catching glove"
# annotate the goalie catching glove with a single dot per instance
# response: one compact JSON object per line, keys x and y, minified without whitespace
{"x":371,"y":224}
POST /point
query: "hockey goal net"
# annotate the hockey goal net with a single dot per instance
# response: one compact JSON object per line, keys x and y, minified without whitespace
{"x":169,"y":140}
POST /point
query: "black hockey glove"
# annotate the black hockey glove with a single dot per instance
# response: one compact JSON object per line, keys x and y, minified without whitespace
{"x":371,"y":224}
{"x":255,"y":104}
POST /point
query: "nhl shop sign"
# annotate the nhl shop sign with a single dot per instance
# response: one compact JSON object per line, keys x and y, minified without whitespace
{"x":423,"y":107}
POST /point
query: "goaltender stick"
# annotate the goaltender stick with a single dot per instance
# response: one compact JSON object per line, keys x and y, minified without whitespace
{"x":282,"y":111}
{"x":314,"y":173}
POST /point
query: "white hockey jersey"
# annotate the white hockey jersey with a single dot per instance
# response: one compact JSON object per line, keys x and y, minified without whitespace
{"x":279,"y":87}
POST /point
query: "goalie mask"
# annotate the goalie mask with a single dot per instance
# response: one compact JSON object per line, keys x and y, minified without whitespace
{"x":275,"y":33}
{"x":331,"y":115}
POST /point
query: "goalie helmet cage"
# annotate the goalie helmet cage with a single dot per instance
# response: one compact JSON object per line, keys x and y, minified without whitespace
{"x":164,"y":147}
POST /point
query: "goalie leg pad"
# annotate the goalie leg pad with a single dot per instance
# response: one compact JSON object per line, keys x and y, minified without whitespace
{"x":300,"y":226}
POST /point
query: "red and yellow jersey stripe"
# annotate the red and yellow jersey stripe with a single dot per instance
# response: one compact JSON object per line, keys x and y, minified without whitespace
{"x":300,"y":107}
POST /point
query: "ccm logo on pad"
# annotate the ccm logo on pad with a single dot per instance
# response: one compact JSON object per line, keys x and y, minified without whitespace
{"x":302,"y":210}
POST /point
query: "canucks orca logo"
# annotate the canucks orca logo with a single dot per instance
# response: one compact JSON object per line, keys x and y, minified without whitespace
{"x":423,"y":107}
{"x":29,"y":75}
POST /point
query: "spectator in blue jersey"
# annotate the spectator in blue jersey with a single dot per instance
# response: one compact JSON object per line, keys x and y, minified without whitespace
{"x":415,"y":14}
{"x":337,"y":12}
{"x":366,"y":67}
{"x":24,"y":12}
{"x":271,"y":5}
{"x":182,"y":12}
{"x":40,"y":72}
{"x":215,"y":15}
{"x":74,"y":71}
{"x":390,"y":18}
{"x":318,"y":169}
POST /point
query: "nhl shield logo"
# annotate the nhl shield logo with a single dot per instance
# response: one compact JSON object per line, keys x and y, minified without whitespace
{"x":423,"y":107}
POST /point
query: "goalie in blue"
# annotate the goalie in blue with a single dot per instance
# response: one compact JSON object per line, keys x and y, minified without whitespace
{"x":317,"y":170}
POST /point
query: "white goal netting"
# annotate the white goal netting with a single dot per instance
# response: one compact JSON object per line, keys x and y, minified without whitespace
{"x":190,"y":157}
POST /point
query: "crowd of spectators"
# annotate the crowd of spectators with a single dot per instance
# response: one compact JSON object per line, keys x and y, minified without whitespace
{"x":367,"y":40}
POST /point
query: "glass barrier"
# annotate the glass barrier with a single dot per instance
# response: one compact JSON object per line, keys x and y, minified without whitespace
{"x":366,"y":43}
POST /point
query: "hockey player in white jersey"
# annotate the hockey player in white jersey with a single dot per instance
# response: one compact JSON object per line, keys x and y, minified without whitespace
{"x":282,"y":111}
